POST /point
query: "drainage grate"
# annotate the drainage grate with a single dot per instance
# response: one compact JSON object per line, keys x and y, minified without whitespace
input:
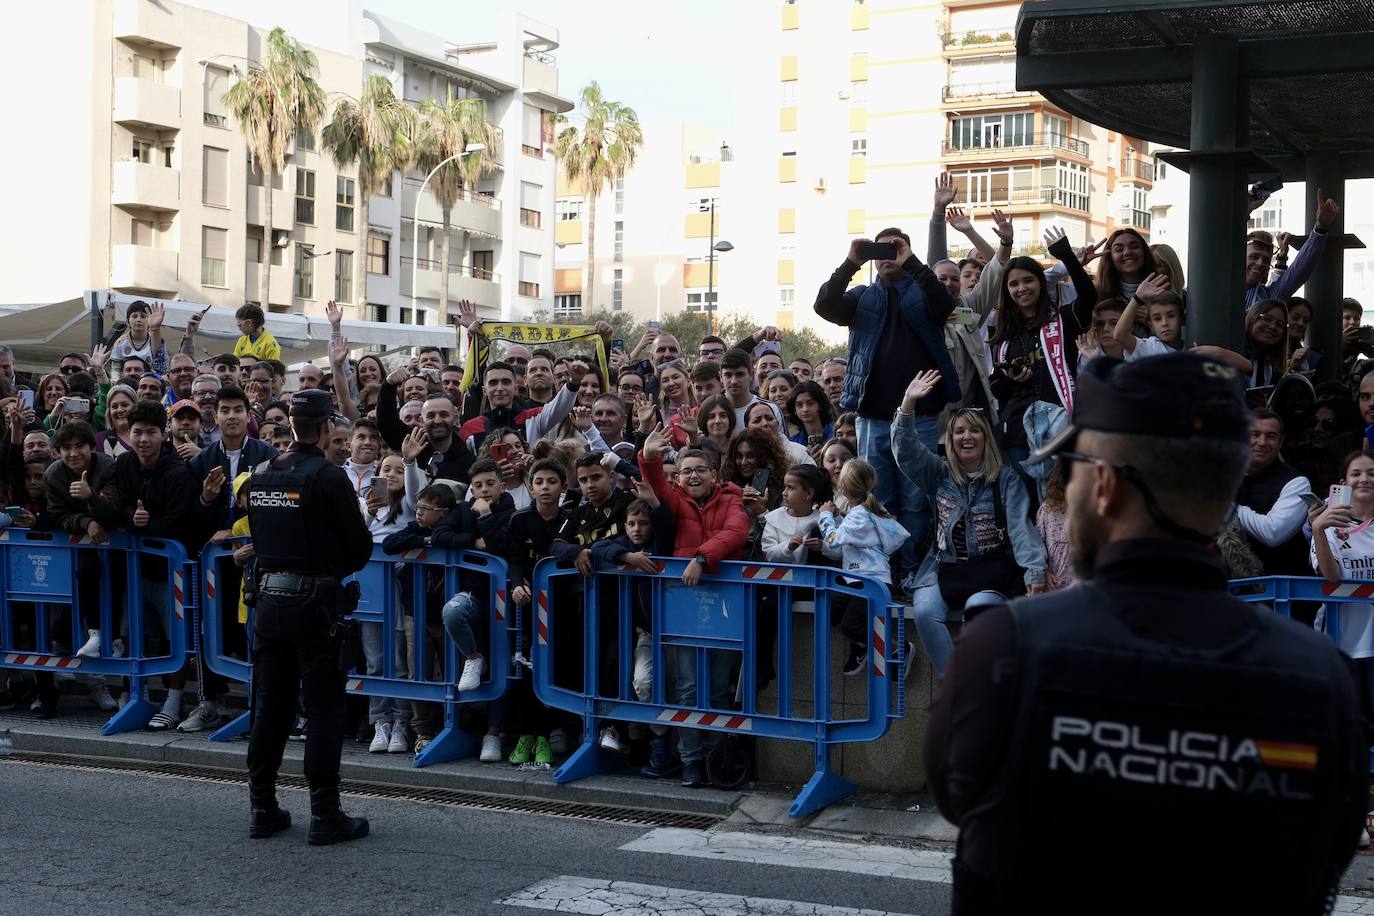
{"x":453,"y":798}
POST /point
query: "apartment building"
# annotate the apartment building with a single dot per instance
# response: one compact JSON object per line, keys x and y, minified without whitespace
{"x":148,"y":188}
{"x":654,"y":229}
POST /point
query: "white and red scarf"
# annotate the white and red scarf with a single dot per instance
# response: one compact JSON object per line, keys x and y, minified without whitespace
{"x":1052,"y":344}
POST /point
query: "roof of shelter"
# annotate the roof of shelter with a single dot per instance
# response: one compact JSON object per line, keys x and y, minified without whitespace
{"x":1127,"y":65}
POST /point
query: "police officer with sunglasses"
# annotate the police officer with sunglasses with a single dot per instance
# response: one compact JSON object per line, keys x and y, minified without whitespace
{"x":1144,"y":737}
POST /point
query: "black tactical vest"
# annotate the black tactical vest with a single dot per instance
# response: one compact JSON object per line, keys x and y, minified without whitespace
{"x":1173,"y":779}
{"x":277,"y":499}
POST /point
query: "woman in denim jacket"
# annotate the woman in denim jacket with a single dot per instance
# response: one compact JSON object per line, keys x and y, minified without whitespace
{"x":965,"y":510}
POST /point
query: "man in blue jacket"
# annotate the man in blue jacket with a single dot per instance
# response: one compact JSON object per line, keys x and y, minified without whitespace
{"x":896,"y":328}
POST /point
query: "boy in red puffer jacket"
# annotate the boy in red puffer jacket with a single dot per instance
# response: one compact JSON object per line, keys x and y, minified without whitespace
{"x":712,"y":525}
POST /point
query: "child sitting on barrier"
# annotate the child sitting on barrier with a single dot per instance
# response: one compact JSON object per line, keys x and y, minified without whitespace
{"x":650,"y":529}
{"x":431,"y":505}
{"x":711,"y":526}
{"x":866,"y":537}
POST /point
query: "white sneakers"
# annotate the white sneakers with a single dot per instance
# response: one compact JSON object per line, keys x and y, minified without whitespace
{"x":100,"y":698}
{"x":399,"y":743}
{"x":202,"y":717}
{"x":610,"y":740}
{"x":491,"y":749}
{"x":92,"y":647}
{"x":381,"y":740}
{"x":472,"y":674}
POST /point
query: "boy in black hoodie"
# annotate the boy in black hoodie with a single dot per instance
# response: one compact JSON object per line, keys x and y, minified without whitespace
{"x":650,"y":530}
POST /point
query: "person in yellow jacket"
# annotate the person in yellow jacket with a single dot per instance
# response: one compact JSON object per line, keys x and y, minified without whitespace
{"x":243,"y":556}
{"x":256,"y":341}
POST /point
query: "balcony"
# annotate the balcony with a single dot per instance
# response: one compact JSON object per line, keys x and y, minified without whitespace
{"x":283,"y":207}
{"x":473,"y":211}
{"x":1045,"y":195}
{"x":139,"y":184}
{"x":996,"y":147}
{"x":150,"y":23}
{"x":540,"y":74}
{"x":144,"y":102}
{"x":1140,"y":219}
{"x":279,"y":283}
{"x":464,"y":281}
{"x":1138,"y":170}
{"x":995,"y":90}
{"x":143,"y":268}
{"x":976,"y":39}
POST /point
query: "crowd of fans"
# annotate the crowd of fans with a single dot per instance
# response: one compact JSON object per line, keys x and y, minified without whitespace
{"x":902,"y":461}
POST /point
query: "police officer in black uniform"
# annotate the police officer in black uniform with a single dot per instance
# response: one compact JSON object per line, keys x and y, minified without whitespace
{"x":308,"y":536}
{"x":1144,"y":742}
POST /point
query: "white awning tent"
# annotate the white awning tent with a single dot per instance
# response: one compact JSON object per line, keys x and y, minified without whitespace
{"x":39,"y":333}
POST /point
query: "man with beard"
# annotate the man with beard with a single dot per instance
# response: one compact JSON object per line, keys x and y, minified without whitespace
{"x":445,"y":455}
{"x":181,"y":373}
{"x":1270,"y":509}
{"x":1148,"y":729}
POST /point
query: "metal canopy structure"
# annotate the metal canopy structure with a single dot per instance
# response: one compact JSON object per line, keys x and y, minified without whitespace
{"x":1250,"y":89}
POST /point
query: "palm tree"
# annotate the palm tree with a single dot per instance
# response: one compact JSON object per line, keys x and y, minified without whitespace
{"x":277,"y":99}
{"x":593,"y":158}
{"x":374,"y":134}
{"x":458,"y":130}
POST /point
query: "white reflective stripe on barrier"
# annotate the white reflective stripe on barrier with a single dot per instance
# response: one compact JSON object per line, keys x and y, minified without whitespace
{"x":543,"y":618}
{"x":718,"y":719}
{"x":770,"y":573}
{"x":1347,"y":590}
{"x":879,"y":652}
{"x":500,"y":604}
{"x":44,"y":661}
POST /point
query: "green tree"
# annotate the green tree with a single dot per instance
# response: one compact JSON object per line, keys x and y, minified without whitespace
{"x":595,"y":156}
{"x":456,"y":138}
{"x":275,"y":101}
{"x":374,"y":134}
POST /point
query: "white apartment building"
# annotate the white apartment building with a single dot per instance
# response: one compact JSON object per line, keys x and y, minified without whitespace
{"x":145,"y":186}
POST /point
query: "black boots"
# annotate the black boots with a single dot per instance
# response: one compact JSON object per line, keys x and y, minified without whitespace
{"x":328,"y":823}
{"x":265,"y":821}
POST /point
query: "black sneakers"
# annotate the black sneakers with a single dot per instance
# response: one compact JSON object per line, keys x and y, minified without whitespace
{"x":858,"y":655}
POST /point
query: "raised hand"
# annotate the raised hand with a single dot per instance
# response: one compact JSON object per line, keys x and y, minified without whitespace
{"x":604,"y":330}
{"x":646,"y":414}
{"x":413,"y":444}
{"x":187,"y":448}
{"x":1152,"y":286}
{"x":141,"y":516}
{"x":157,"y":313}
{"x":688,"y":423}
{"x":80,"y":489}
{"x":1328,"y":211}
{"x":1002,"y":227}
{"x":921,"y":386}
{"x":855,"y":257}
{"x":769,"y":332}
{"x":582,"y":418}
{"x":657,"y":443}
{"x":903,"y":249}
{"x":645,"y":491}
{"x":100,"y":355}
{"x":398,"y":375}
{"x":1087,"y":345}
{"x":1091,"y":251}
{"x":576,"y":369}
{"x":338,"y":352}
{"x":1052,"y":235}
{"x":334,"y":314}
{"x":467,"y":314}
{"x":945,"y":190}
{"x":214,"y":482}
{"x":958,"y":220}
{"x":1282,"y":242}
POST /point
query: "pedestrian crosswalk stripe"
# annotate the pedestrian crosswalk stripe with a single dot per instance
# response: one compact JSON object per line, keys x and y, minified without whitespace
{"x":569,"y":894}
{"x":798,"y":852}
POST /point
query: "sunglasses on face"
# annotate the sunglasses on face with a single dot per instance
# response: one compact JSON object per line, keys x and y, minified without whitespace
{"x":71,"y":370}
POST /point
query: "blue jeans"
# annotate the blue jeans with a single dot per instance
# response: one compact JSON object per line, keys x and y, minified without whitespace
{"x":462,"y":621}
{"x":931,"y":613}
{"x":690,"y":741}
{"x":902,"y":498}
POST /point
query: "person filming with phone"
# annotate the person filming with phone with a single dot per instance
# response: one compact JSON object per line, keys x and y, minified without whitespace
{"x":896,"y":328}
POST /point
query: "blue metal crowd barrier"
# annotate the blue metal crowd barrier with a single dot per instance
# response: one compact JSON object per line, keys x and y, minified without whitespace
{"x":381,"y":604}
{"x":719,"y":613}
{"x":40,"y":579}
{"x":1282,"y":591}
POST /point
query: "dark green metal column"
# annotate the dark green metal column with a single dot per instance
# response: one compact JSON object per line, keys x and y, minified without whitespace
{"x":1217,"y":194}
{"x":1326,"y":285}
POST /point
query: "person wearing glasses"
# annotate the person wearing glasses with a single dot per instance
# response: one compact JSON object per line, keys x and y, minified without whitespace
{"x":712,"y":348}
{"x":984,"y":538}
{"x":1266,"y":342}
{"x":1231,"y":735}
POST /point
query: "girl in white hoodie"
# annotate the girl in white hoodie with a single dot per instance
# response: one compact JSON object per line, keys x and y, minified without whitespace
{"x":789,"y":531}
{"x":866,"y":537}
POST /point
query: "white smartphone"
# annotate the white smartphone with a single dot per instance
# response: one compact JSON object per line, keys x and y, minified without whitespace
{"x":1340,"y":496}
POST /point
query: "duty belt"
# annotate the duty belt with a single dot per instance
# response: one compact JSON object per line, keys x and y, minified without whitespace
{"x":290,"y":583}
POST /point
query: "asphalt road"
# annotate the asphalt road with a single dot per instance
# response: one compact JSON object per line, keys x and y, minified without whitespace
{"x":77,"y":841}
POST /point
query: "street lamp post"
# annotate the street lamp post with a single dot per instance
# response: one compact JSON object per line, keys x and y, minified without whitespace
{"x":415,"y":220}
{"x":712,"y":247}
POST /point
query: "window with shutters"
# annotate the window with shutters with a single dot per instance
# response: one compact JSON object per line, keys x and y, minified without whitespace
{"x":529,"y":274}
{"x":213,"y":245}
{"x":531,"y":204}
{"x":214,"y":177}
{"x":216,"y":84}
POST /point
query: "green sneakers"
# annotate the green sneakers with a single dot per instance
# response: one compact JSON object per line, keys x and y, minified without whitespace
{"x":542,"y":752}
{"x":524,"y":749}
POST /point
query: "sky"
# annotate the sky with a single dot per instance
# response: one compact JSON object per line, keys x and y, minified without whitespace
{"x":666,"y":60}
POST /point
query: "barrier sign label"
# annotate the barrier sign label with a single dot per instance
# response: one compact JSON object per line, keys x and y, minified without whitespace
{"x":374,"y":582}
{"x":707,"y":609}
{"x":41,"y":570}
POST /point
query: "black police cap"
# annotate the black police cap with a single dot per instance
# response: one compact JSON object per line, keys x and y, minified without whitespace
{"x":1177,"y":395}
{"x":312,"y":404}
